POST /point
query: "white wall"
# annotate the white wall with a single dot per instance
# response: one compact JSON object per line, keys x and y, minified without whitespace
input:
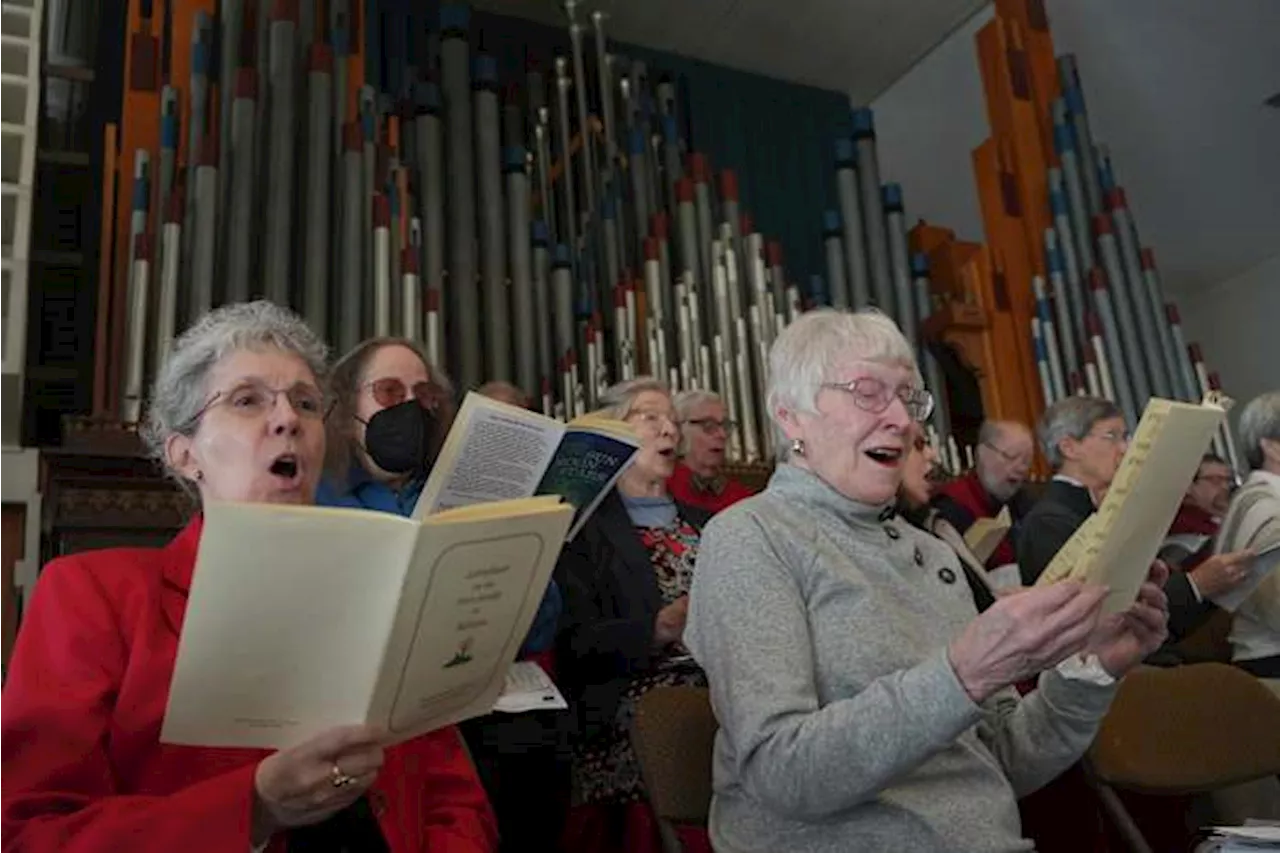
{"x":1237,"y":323}
{"x":928,"y":123}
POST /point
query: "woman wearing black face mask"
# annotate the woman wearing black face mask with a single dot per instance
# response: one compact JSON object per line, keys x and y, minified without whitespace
{"x":392,"y":410}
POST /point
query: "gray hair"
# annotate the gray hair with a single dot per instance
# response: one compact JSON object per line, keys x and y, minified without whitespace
{"x":181,"y":385}
{"x":805,"y":354}
{"x":1071,"y":417}
{"x":1260,"y":419}
{"x":685,"y":402}
{"x":617,"y":400}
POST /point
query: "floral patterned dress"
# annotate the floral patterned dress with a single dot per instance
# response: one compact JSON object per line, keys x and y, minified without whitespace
{"x":605,"y":768}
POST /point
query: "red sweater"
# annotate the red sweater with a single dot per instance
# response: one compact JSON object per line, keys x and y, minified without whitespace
{"x":84,"y":769}
{"x":962,"y":502}
{"x":687,"y":489}
{"x":1192,"y":519}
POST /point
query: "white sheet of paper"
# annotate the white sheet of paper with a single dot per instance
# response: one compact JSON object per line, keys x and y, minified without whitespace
{"x":501,"y":454}
{"x":1004,"y":577}
{"x":528,"y":688}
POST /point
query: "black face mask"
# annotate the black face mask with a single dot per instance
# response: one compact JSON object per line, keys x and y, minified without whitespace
{"x":398,"y":439}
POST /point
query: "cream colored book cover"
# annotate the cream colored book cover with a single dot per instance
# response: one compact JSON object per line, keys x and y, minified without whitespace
{"x":986,"y":534}
{"x":1118,"y":543}
{"x":304,"y":618}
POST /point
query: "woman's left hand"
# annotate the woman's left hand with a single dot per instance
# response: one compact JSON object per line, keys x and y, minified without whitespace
{"x":1122,"y":640}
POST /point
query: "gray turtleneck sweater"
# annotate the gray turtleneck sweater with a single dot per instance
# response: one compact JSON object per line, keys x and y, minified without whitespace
{"x":823,"y":629}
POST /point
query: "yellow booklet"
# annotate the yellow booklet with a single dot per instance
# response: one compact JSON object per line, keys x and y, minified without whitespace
{"x":986,"y":534}
{"x":1117,"y":544}
{"x":301,"y":618}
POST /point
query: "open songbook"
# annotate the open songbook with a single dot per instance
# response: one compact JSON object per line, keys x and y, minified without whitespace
{"x":986,"y":534}
{"x":496,"y":451}
{"x":301,"y":618}
{"x":1117,"y":544}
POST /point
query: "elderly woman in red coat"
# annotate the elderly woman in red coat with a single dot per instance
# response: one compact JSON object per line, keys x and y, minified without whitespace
{"x":237,"y":414}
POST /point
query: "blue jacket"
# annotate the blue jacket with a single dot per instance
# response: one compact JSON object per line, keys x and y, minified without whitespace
{"x":363,"y":492}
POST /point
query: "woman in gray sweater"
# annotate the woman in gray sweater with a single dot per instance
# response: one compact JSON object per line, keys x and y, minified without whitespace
{"x":863,"y":704}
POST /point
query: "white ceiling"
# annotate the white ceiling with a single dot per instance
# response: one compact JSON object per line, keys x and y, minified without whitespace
{"x":858,"y":46}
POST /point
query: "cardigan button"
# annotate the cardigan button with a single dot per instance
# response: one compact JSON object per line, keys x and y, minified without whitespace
{"x":893,"y":532}
{"x":946,"y":575}
{"x":919,"y":558}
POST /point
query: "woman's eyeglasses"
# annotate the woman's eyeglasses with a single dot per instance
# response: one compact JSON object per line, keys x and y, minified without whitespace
{"x":255,"y":399}
{"x":390,"y":391}
{"x":711,"y":425}
{"x":875,"y":396}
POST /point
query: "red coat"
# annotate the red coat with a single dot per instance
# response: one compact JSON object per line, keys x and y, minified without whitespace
{"x":683,"y":488}
{"x":1192,"y":519}
{"x":83,"y":766}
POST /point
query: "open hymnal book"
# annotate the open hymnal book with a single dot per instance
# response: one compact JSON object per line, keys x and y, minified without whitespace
{"x":1265,"y":545}
{"x":496,"y":451}
{"x":301,"y":618}
{"x":1117,"y":544}
{"x":986,"y":534}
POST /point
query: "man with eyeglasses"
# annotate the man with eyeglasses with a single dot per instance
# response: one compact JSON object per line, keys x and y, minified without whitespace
{"x":1001,"y":465}
{"x":699,"y":478}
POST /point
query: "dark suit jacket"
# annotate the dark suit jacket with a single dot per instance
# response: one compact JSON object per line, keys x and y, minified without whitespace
{"x":1052,"y":521}
{"x":611,"y":599}
{"x":84,"y":768}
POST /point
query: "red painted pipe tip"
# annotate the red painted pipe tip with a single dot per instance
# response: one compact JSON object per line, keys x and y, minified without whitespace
{"x":381,"y":211}
{"x":1197,"y":355}
{"x":698,"y":167}
{"x":1102,"y":224}
{"x":728,"y":185}
{"x":651,"y":249}
{"x":352,"y":137}
{"x":247,"y":83}
{"x":684,"y":191}
{"x":1090,"y":357}
{"x":1148,"y":259}
{"x":1172,"y":315}
{"x":1097,"y":281}
{"x":1215,"y":382}
{"x":1116,"y":198}
{"x":620,"y":295}
{"x":284,"y":10}
{"x":142,"y":247}
{"x":746,"y":224}
{"x":176,"y":205}
{"x":658,"y":226}
{"x":773,"y":253}
{"x":1093,"y":325}
{"x":320,"y":58}
{"x":1077,"y":383}
{"x":207,"y":155}
{"x":433,"y":299}
{"x":409,"y":260}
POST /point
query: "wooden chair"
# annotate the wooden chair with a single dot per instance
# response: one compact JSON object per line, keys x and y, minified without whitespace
{"x":1191,"y":729}
{"x":672,"y":734}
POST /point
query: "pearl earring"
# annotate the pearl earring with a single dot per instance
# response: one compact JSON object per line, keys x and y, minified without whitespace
{"x":797,"y":446}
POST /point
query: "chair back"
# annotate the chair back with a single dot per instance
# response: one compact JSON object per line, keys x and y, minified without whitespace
{"x":672,"y":734}
{"x":1188,"y":729}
